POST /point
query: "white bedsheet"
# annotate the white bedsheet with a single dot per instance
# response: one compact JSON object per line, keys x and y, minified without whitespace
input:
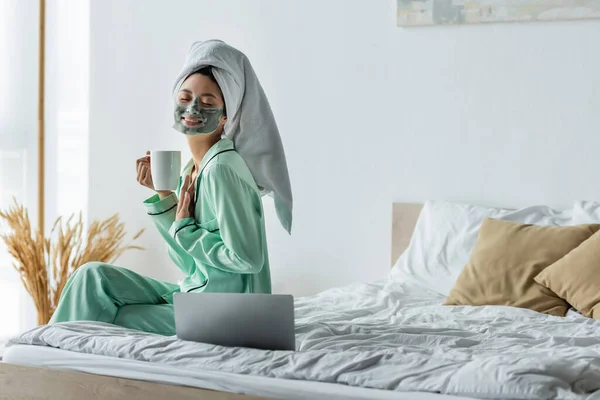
{"x":387,"y":336}
{"x":48,"y":357}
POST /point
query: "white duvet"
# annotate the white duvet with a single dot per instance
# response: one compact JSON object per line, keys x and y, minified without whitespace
{"x":390,"y":336}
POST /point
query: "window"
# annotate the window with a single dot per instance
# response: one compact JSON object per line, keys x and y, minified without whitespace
{"x":66,"y":114}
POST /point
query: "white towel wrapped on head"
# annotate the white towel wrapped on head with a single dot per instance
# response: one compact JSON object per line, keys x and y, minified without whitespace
{"x":250,"y":122}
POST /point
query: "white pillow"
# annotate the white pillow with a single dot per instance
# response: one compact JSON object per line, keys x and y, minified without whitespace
{"x":445,"y":235}
{"x":586,"y":212}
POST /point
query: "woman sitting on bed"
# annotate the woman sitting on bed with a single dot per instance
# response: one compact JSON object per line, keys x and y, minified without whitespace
{"x":214,"y":226}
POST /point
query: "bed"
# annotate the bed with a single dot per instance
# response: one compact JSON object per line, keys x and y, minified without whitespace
{"x":378,"y":340}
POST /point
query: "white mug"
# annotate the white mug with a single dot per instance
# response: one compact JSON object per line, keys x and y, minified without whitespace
{"x":165,"y":167}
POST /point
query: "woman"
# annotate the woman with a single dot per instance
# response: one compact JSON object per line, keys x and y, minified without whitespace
{"x":214,"y":226}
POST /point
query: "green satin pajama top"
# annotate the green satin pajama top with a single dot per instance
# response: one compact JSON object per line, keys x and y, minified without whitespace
{"x":223,"y":248}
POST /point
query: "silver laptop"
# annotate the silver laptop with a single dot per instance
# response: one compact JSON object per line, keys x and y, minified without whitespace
{"x":262,"y":321}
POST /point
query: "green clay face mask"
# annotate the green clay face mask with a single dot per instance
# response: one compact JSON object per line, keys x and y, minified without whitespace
{"x":191,"y":119}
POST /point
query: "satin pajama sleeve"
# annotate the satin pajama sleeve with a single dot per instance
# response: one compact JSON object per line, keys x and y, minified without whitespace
{"x":163,"y":214}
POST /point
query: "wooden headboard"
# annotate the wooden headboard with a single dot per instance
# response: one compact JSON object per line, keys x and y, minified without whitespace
{"x":404,"y":219}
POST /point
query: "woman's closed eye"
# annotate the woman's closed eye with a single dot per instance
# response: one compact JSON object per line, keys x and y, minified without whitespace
{"x":187,"y":100}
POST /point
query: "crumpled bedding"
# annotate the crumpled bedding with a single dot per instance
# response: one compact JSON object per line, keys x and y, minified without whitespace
{"x":385,"y":335}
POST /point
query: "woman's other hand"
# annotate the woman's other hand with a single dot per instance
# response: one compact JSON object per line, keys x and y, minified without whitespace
{"x":144,"y":175}
{"x":185,"y":208}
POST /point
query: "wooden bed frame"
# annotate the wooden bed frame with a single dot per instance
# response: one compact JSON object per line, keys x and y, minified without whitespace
{"x":26,"y":382}
{"x":404,"y":220}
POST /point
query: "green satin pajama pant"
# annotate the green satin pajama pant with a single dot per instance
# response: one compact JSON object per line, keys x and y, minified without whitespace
{"x":106,"y":293}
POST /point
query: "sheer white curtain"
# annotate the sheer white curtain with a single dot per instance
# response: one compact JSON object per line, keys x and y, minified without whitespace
{"x":66,"y":112}
{"x":18,"y":138}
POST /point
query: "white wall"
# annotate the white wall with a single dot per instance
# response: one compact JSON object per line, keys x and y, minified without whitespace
{"x":369,"y":113}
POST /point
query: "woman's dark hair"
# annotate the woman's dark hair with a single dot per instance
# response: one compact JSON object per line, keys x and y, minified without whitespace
{"x":208,"y":71}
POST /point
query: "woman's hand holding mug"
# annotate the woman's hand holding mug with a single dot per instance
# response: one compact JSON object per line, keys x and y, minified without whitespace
{"x":144,"y":175}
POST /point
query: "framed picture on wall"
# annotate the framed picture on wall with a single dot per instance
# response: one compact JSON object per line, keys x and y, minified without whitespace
{"x":453,"y":12}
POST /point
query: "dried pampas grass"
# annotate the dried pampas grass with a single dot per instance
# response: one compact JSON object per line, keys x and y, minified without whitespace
{"x":46,"y":263}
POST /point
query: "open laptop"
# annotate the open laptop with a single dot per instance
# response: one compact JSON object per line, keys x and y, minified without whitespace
{"x":262,"y":321}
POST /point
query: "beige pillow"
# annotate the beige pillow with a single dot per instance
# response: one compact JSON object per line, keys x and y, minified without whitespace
{"x":576,"y":277}
{"x":506,"y":259}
